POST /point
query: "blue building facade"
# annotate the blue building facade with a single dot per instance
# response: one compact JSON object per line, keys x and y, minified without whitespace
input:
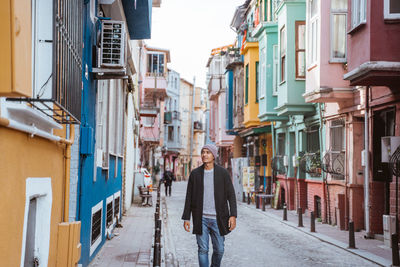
{"x":101,"y":154}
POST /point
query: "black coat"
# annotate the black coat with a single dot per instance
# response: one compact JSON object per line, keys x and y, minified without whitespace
{"x":223,"y":194}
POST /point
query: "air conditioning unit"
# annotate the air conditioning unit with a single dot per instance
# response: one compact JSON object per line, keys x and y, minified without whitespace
{"x":112,"y":44}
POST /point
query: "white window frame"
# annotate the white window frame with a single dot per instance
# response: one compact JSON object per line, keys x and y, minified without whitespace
{"x":358,"y":13}
{"x":313,"y":35}
{"x":41,"y":189}
{"x":102,"y":125}
{"x":116,"y":195}
{"x":109,"y":200}
{"x":158,"y":62}
{"x":386,"y":11}
{"x":262,"y":78}
{"x":282,"y":44}
{"x":335,"y":12}
{"x":96,"y":208}
{"x":275,"y":70}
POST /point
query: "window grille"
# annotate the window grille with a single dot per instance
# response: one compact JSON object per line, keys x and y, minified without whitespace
{"x":96,"y":225}
{"x":109,"y":213}
{"x":116,"y":207}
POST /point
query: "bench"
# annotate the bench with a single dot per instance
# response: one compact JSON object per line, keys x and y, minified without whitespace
{"x":146,"y":196}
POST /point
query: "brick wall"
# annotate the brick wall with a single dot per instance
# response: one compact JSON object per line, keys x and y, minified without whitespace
{"x":315,"y":188}
{"x":289,"y":187}
{"x":377,"y":201}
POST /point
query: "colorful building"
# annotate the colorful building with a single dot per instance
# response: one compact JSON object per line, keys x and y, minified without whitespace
{"x":40,"y":102}
{"x":186,"y":103}
{"x":373,"y":66}
{"x":108,"y":82}
{"x":216,"y":86}
{"x":172,"y":122}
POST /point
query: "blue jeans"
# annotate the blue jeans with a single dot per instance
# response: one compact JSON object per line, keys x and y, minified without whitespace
{"x":210,"y":228}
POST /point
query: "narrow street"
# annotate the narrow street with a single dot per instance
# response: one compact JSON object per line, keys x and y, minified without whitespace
{"x":258,"y":240}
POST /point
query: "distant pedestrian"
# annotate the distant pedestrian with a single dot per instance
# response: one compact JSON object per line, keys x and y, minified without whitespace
{"x":168,"y":178}
{"x":209,"y":193}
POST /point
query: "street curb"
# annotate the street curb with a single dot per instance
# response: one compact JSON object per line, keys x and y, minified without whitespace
{"x":359,"y":252}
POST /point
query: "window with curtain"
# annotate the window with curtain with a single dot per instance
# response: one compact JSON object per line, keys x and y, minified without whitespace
{"x":263,"y":73}
{"x":358,"y":12}
{"x":246,"y":96}
{"x":313,"y":34}
{"x":283,"y":52}
{"x":392,"y":9}
{"x":338,"y":30}
{"x":257,"y":80}
{"x":300,"y":49}
{"x":275,"y":70}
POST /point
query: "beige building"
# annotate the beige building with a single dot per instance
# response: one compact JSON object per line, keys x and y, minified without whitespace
{"x":200,"y":98}
{"x":186,"y":101}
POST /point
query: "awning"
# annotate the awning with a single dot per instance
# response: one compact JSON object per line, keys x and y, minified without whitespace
{"x":138,"y":17}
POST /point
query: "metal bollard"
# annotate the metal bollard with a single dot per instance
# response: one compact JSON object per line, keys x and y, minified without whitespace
{"x":312,"y":230}
{"x":257,"y":202}
{"x":395,"y":250}
{"x":352,"y":242}
{"x":157,"y":255}
{"x":284,"y":212}
{"x":300,"y":216}
{"x":244,"y":197}
{"x":263,"y":204}
{"x":248,"y":198}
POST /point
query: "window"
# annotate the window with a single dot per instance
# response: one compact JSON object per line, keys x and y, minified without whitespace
{"x":110,"y":212}
{"x":283,"y":52}
{"x":337,"y":131}
{"x":358,"y":12}
{"x":338,"y":30}
{"x":281,"y":144}
{"x":109,"y":120}
{"x":246,"y":93}
{"x":391,"y":9}
{"x":263,"y":86}
{"x":155,"y":63}
{"x":171,"y":133}
{"x":338,"y":147}
{"x":313,"y":31}
{"x":300,"y":49}
{"x":95,"y":233}
{"x":275,"y":71}
{"x":116,"y":206}
{"x":313,"y":139}
{"x":257,"y":80}
{"x":148,"y":121}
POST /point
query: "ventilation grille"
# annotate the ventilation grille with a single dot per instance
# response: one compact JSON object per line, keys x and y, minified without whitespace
{"x":112,"y":50}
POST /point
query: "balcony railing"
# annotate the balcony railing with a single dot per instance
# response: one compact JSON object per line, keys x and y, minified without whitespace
{"x":311,"y":163}
{"x":334,"y":164}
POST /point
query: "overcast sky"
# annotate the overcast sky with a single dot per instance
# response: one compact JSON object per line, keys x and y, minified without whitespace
{"x":190,"y":29}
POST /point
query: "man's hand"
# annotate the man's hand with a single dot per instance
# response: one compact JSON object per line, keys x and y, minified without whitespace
{"x":186,"y":225}
{"x":232,"y":223}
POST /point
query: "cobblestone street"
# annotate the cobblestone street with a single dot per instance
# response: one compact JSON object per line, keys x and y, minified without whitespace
{"x":258,"y":240}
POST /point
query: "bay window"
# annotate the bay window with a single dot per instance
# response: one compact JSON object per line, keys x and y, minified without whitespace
{"x":313,"y":31}
{"x":283,"y":52}
{"x":275,"y":71}
{"x":391,"y":9}
{"x":263,"y":73}
{"x":358,"y":12}
{"x":300,"y":50}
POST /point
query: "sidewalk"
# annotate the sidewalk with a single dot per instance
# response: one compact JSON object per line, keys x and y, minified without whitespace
{"x":370,"y":249}
{"x":132,"y":244}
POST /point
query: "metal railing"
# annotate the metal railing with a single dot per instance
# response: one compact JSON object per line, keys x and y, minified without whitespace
{"x":333,"y":163}
{"x":311,"y":163}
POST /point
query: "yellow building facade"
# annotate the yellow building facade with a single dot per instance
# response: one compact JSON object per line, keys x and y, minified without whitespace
{"x":34,"y":159}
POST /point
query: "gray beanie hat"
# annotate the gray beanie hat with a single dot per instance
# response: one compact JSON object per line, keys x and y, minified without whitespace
{"x":213,"y":149}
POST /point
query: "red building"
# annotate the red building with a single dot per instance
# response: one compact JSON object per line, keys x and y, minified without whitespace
{"x":374,"y":62}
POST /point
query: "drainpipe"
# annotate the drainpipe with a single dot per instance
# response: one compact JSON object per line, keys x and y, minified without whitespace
{"x":366,"y":170}
{"x":273,"y":152}
{"x":326,"y":187}
{"x":67,"y":156}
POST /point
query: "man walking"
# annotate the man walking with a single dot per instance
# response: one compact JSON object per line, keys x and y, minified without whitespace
{"x":168,"y":177}
{"x":210,"y":199}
